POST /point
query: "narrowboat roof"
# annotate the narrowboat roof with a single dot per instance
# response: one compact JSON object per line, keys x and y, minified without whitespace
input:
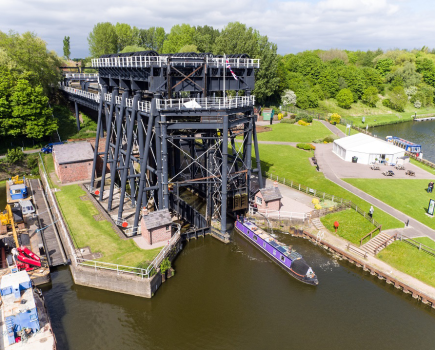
{"x":17,"y":187}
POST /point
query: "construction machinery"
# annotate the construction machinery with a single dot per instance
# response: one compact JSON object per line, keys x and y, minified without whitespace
{"x":11,"y":216}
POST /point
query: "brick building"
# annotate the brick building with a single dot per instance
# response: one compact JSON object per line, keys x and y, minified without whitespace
{"x":156,"y":226}
{"x":73,"y":161}
{"x":268,"y":198}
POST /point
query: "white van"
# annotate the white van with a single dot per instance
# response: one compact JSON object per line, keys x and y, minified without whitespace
{"x":27,"y":207}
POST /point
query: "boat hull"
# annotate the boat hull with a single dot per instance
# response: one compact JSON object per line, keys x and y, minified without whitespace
{"x":277,"y":258}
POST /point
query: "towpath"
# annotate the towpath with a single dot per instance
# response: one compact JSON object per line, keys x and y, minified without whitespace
{"x":328,"y":171}
{"x":333,"y":128}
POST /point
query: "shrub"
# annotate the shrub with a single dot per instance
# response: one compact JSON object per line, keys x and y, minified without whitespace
{"x":398,"y":99}
{"x":305,"y":117}
{"x":289,"y":98}
{"x":417,"y":104}
{"x":14,"y":155}
{"x":288,"y":121}
{"x":335,"y":117}
{"x":318,"y":207}
{"x":344,"y":98}
{"x":280,"y":116}
{"x":386,"y":102}
{"x":328,"y":139}
{"x":306,"y":146}
{"x":303,"y":123}
{"x":370,"y":96}
{"x":165,"y":265}
{"x":315,"y":201}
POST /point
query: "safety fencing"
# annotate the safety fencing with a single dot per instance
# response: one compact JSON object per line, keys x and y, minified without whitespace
{"x":205,"y":103}
{"x":322,"y":195}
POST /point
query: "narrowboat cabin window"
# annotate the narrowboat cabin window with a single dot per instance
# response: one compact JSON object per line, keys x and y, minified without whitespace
{"x":282,"y":258}
{"x":259,"y":200}
{"x":255,"y":237}
{"x":274,"y":252}
{"x":264,"y":244}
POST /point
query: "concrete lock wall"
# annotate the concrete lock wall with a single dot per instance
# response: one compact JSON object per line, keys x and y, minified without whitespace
{"x":119,"y":283}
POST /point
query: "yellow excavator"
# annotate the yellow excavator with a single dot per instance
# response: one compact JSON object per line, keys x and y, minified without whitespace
{"x":7,"y":218}
{"x":16,"y":180}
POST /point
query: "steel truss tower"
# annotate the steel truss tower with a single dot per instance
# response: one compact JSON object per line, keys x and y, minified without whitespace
{"x":168,"y":125}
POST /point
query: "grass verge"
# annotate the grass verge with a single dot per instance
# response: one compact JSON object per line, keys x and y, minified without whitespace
{"x":293,"y":164}
{"x":423,"y":166}
{"x":98,"y":235}
{"x":407,"y":195}
{"x":352,"y":226}
{"x":410,"y":260}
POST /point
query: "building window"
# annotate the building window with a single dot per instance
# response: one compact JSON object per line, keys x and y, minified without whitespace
{"x":274,"y":252}
{"x":167,"y":227}
{"x":282,"y":258}
{"x":65,"y":166}
{"x":267,"y":204}
{"x":259,"y":200}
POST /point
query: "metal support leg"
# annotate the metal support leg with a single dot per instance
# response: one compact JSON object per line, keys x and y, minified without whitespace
{"x":114,"y":164}
{"x":107,"y":148}
{"x":143,"y":165}
{"x":97,"y":138}
{"x":257,"y":156}
{"x":164,"y":162}
{"x":158,"y":140}
{"x":224,"y":176}
{"x":77,"y":116}
{"x":126,"y":165}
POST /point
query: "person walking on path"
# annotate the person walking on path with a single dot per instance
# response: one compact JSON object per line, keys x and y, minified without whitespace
{"x":371,"y":211}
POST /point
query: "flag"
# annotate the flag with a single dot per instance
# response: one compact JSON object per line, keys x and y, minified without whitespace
{"x":232,"y":73}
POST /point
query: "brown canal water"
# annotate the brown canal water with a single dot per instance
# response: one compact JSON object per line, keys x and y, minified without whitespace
{"x":234,"y":297}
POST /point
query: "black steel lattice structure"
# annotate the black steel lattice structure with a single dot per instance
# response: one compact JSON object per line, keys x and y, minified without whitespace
{"x":167,"y":125}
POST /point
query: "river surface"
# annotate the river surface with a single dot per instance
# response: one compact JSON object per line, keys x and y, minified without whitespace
{"x":234,"y":297}
{"x":418,"y":132}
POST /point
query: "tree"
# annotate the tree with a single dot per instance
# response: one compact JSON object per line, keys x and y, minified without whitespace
{"x":66,"y":47}
{"x":14,"y":156}
{"x":370,"y":96}
{"x":204,"y":38}
{"x":237,"y":38}
{"x":344,"y":98}
{"x":151,"y":38}
{"x":384,"y":65}
{"x":132,"y":48}
{"x":398,"y":99}
{"x":189,"y":48}
{"x":328,"y":80}
{"x":124,"y":35}
{"x":27,"y":54}
{"x":355,"y":80}
{"x":289,"y":98}
{"x":180,"y":35}
{"x":6,"y":84}
{"x":307,"y":99}
{"x":103,"y":39}
{"x":31,"y":115}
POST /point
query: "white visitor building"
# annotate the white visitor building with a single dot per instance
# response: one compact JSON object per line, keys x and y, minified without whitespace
{"x":367,"y":149}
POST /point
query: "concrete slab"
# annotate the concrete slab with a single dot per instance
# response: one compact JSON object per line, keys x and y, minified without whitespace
{"x":142,"y":243}
{"x":343,"y":169}
{"x":292,"y":200}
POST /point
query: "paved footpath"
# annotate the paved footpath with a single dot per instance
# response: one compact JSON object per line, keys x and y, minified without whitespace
{"x":333,"y":128}
{"x":421,"y":229}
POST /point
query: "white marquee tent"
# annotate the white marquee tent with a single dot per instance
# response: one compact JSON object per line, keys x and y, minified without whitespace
{"x":367,"y":149}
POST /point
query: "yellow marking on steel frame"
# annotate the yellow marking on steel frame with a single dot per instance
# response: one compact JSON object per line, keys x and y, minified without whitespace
{"x":7,"y":218}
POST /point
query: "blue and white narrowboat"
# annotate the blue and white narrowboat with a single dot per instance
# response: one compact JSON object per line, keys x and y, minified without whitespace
{"x":284,"y":256}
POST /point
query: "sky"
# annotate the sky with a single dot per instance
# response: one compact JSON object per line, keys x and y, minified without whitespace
{"x":293,"y":25}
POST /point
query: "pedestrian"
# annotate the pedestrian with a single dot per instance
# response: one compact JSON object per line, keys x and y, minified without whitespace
{"x":371,"y":211}
{"x":431,"y":186}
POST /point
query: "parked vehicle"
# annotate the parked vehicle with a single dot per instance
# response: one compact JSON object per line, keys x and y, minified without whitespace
{"x":49,"y":147}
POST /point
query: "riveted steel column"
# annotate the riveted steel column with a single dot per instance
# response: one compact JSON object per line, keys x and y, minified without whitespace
{"x":108,"y":136}
{"x":257,"y":156}
{"x":224,"y":176}
{"x":77,"y":115}
{"x":97,"y":138}
{"x":113,"y":166}
{"x":143,"y":165}
{"x":126,"y":165}
{"x":248,"y":152}
{"x":163,"y":126}
{"x":158,"y":140}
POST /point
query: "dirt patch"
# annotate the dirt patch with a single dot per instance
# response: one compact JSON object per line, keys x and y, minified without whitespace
{"x":7,"y":170}
{"x":260,"y":128}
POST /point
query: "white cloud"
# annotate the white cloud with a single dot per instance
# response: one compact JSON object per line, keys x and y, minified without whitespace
{"x":293,"y":25}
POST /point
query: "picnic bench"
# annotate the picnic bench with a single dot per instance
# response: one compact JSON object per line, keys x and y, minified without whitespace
{"x":388,"y":173}
{"x":410,"y":173}
{"x":400,"y":167}
{"x":375,"y":167}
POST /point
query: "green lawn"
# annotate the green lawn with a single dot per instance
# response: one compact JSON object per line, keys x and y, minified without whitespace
{"x":423,"y":166}
{"x":285,"y":132}
{"x":293,"y":164}
{"x":407,"y":195}
{"x":98,"y":235}
{"x":410,"y":260}
{"x":352,"y":226}
{"x":343,"y":128}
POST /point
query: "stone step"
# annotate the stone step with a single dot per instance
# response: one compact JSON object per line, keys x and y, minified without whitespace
{"x":371,"y":245}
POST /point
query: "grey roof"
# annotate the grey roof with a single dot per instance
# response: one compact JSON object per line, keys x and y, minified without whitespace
{"x":157,"y":218}
{"x":270,"y":193}
{"x":73,"y":152}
